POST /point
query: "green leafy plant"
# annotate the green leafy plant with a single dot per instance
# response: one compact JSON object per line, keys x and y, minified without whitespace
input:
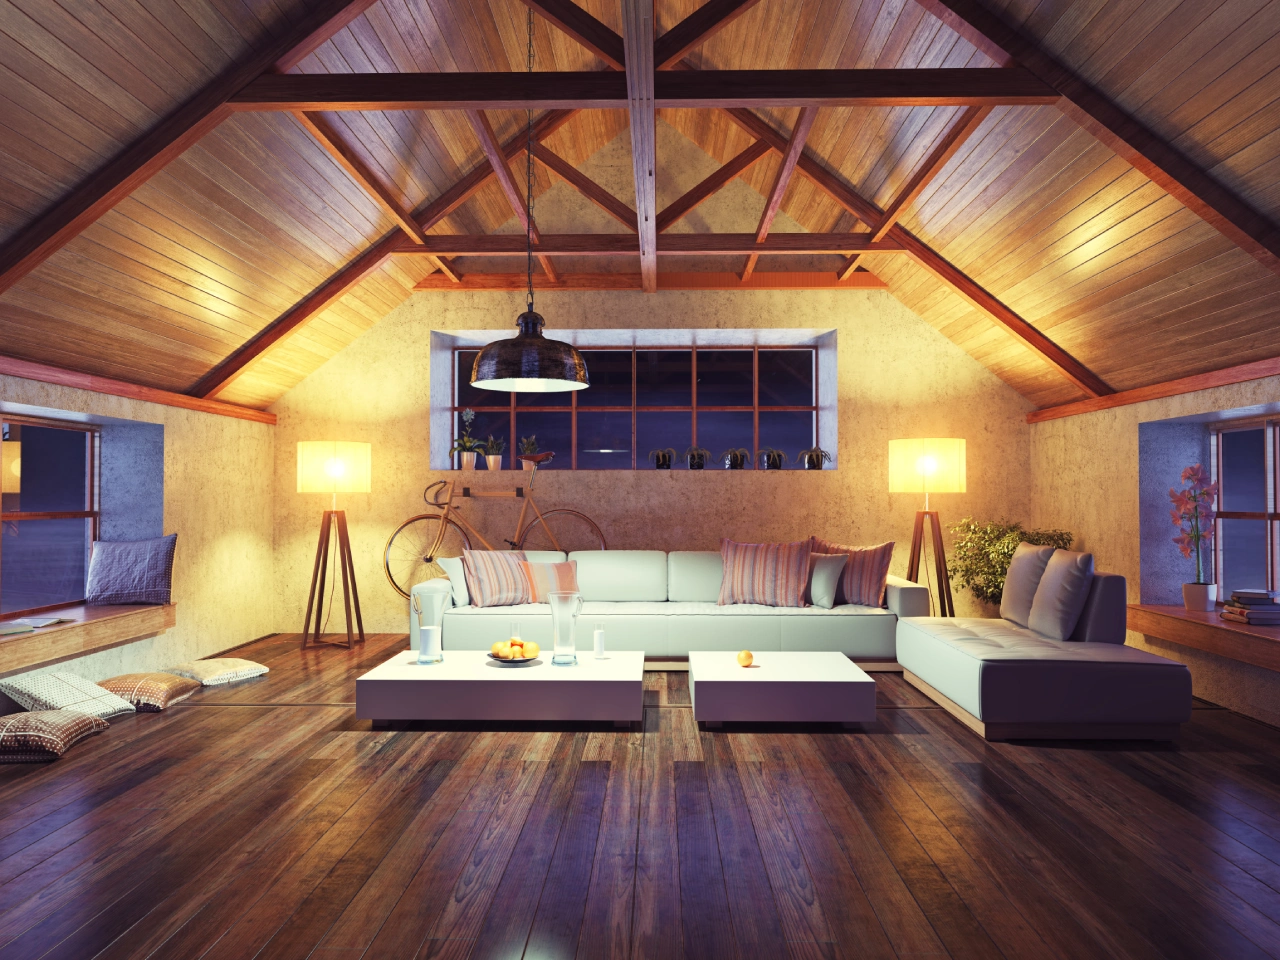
{"x":697,"y":457}
{"x":662,"y":459}
{"x":771,"y":458}
{"x":466,"y":443}
{"x":529,"y":445}
{"x":735,"y":458}
{"x":813,"y":458}
{"x":493,"y":447}
{"x":982,"y":551}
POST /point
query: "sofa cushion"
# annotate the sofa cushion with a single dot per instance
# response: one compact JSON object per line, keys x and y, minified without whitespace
{"x":1061,"y":594}
{"x":824,"y":578}
{"x":694,"y":575}
{"x":774,"y":574}
{"x":1025,"y":570}
{"x":494,"y":577}
{"x":545,"y":579}
{"x":865,"y":573}
{"x":621,"y":574}
{"x":453,"y":569}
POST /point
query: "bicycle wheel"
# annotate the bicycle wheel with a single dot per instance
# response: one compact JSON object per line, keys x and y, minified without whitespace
{"x":406,"y":560}
{"x":573,"y":531}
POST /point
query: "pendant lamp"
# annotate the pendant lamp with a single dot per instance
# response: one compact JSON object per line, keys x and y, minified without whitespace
{"x":529,"y":362}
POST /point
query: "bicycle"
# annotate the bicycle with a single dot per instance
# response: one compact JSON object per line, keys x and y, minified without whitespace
{"x":411,"y":551}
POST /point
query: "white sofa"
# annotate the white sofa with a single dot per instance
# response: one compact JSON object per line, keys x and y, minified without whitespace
{"x":664,"y":604}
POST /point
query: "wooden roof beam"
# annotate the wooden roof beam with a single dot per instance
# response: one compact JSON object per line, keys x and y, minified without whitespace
{"x":624,"y":244}
{"x":179,"y":130}
{"x":637,"y":37}
{"x":704,"y":190}
{"x":1149,"y":153}
{"x":790,"y":157}
{"x":669,"y":280}
{"x":597,"y":194}
{"x":696,"y":29}
{"x":576,"y":23}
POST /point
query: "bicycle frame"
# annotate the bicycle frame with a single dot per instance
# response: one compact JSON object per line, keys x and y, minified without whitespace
{"x":445,"y":503}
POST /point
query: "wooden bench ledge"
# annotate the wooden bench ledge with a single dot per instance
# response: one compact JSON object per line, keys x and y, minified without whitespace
{"x":1246,"y":642}
{"x":96,"y":628}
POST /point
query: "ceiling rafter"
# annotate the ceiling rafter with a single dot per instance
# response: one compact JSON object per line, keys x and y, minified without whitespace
{"x":621,"y":244}
{"x":180,"y":129}
{"x":1122,"y":133}
{"x":670,"y":280}
{"x":696,"y":29}
{"x":686,"y":204}
{"x":781,"y":181}
{"x":597,"y":194}
{"x":575,"y":22}
{"x":637,"y":38}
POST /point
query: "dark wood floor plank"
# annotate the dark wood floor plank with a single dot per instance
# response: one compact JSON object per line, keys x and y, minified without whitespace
{"x":704,"y":901}
{"x":656,"y":924}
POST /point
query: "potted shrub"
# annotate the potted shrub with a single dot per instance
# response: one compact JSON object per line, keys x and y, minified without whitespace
{"x":493,"y":452}
{"x":982,"y":551}
{"x":697,"y":457}
{"x":735,"y":458}
{"x":466,"y":446}
{"x":1193,"y":515}
{"x":813,"y":458}
{"x":528,"y":445}
{"x":662,"y":459}
{"x":770,"y":458}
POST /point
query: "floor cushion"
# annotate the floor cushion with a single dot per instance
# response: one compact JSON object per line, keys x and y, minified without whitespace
{"x":219,"y":670}
{"x":45,"y":734}
{"x":59,"y":691}
{"x":151,"y":692}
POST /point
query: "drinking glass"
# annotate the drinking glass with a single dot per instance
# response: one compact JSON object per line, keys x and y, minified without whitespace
{"x":565,"y":608}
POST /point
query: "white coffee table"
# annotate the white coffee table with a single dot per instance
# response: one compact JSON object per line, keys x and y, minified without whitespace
{"x":468,"y":685}
{"x":780,"y":687}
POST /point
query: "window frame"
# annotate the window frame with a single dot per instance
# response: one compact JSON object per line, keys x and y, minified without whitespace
{"x":693,"y":408}
{"x":1271,"y":467}
{"x":92,"y":511}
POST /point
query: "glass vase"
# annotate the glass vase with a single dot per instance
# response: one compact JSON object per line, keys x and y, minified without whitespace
{"x":565,"y":608}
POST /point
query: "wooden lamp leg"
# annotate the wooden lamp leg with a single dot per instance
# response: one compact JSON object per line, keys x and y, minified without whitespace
{"x":946,"y":606}
{"x":350,"y":595}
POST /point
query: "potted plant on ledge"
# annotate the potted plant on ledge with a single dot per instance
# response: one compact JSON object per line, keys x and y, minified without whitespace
{"x":528,"y":447}
{"x":735,"y":458}
{"x":697,"y":457}
{"x":814,"y":458}
{"x":493,"y":452}
{"x":770,"y":458}
{"x":466,"y":446}
{"x":1193,"y":515}
{"x":662,"y":459}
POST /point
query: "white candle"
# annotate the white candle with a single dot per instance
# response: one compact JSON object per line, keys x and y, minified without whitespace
{"x":599,"y":639}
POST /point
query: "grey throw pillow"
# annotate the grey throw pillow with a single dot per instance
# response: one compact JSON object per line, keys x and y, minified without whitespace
{"x":452,"y":567}
{"x":1062,"y":593}
{"x":824,"y":578}
{"x":1025,"y":571}
{"x":131,"y":571}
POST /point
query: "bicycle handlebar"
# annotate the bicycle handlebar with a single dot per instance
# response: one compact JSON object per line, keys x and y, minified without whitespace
{"x":429,"y":497}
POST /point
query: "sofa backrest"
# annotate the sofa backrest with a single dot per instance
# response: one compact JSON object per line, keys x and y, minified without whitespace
{"x":1105,"y":610}
{"x":621,"y":575}
{"x":694,"y":575}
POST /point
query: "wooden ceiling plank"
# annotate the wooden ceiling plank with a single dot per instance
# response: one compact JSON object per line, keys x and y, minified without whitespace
{"x":696,"y":29}
{"x":782,"y":180}
{"x":597,"y":194}
{"x":696,"y":195}
{"x":693,"y":280}
{"x":637,"y":36}
{"x":623,"y":244}
{"x":1124,"y":134}
{"x":584,"y":28}
{"x":175,"y":133}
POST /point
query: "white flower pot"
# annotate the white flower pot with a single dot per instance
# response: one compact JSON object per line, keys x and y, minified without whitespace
{"x":1199,"y":597}
{"x":526,"y":465}
{"x":493,"y":462}
{"x":468,"y":461}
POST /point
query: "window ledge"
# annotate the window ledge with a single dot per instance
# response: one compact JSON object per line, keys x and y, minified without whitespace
{"x":96,"y":628}
{"x":1245,"y":642}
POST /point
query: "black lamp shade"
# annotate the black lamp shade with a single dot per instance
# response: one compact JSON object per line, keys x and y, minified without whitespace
{"x":529,"y":362}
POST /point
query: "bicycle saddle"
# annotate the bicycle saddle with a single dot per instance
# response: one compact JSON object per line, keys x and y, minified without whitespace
{"x":536,"y":457}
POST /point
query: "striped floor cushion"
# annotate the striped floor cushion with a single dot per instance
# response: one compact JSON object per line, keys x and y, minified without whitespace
{"x":773,"y":574}
{"x":44,"y":735}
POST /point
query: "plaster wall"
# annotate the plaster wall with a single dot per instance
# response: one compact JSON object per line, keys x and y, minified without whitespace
{"x":217,"y":498}
{"x":1085,"y":478}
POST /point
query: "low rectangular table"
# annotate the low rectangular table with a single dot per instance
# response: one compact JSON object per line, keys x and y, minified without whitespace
{"x":780,"y":687}
{"x":468,"y":685}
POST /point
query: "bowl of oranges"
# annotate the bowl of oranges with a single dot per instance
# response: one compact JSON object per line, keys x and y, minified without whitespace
{"x":514,"y":651}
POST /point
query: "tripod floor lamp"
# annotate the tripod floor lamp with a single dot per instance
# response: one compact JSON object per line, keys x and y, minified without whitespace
{"x":333,"y":467}
{"x":928,"y":466}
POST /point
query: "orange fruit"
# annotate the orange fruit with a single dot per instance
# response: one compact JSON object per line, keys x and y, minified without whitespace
{"x":745,"y":658}
{"x":531,"y":649}
{"x":503,"y":651}
{"x":494,"y":650}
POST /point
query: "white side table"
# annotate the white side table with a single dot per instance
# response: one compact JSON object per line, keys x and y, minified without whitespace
{"x":780,"y":687}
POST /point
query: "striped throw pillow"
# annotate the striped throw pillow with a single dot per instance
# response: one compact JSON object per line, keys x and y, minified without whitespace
{"x":865,"y":573}
{"x":494,"y":577}
{"x":772,"y":574}
{"x":547,"y":578}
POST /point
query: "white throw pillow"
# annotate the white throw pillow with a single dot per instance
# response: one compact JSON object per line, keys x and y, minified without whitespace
{"x":1025,"y":571}
{"x":64,"y":691}
{"x":1062,"y":594}
{"x":824,"y":578}
{"x":452,"y":567}
{"x":220,"y":670}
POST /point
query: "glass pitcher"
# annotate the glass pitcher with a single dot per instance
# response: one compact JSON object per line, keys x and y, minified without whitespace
{"x":565,"y":608}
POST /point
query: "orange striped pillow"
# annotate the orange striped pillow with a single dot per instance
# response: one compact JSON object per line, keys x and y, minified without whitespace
{"x":865,"y":573}
{"x":547,"y":578}
{"x":772,"y":574}
{"x":494,"y":577}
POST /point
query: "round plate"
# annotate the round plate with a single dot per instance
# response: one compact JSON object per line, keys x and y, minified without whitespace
{"x":517,"y":660}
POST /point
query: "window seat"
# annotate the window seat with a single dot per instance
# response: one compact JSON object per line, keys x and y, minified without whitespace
{"x":1248,"y":643}
{"x":96,"y":628}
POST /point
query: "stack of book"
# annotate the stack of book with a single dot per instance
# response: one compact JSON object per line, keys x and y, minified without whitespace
{"x":1253,"y":606}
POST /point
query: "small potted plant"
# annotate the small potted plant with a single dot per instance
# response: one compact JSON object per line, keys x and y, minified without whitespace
{"x":662,"y":459}
{"x":770,"y":458}
{"x":528,"y":445}
{"x":466,"y":446}
{"x":735,"y":458}
{"x":813,"y":458}
{"x":1193,"y":515}
{"x":493,"y":448}
{"x":697,"y":457}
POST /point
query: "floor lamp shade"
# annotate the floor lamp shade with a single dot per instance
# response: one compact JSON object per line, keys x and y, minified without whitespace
{"x":932,"y":465}
{"x":334,"y":466}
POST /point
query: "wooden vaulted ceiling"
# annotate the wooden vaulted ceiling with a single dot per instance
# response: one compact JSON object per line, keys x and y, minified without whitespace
{"x":1144,"y":256}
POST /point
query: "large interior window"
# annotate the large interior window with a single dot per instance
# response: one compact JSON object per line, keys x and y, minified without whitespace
{"x":1245,"y":545}
{"x":654,"y":398}
{"x":48,"y":513}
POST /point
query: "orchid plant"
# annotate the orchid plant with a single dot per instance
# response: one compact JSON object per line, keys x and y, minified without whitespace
{"x":1193,"y":514}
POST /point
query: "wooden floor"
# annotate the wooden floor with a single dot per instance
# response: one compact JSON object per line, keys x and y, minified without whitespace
{"x":264,"y":820}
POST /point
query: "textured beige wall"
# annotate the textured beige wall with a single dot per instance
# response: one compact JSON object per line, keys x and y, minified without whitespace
{"x":217,"y":498}
{"x":897,"y":377}
{"x":1085,"y":479}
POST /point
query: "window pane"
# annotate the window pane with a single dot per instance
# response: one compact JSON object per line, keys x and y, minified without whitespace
{"x":604,"y":439}
{"x":786,"y":378}
{"x":724,"y":378}
{"x":657,"y":431}
{"x":562,"y":398}
{"x":486,"y":424}
{"x":42,"y":562}
{"x":610,"y":375}
{"x":720,"y":432}
{"x":1244,"y":557}
{"x":469,"y":396}
{"x":664,"y":378}
{"x":52,"y":469}
{"x":1244,"y":470}
{"x":791,"y":432}
{"x":553,"y":432}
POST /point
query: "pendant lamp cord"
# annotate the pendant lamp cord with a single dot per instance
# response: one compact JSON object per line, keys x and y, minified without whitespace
{"x":528,"y":176}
